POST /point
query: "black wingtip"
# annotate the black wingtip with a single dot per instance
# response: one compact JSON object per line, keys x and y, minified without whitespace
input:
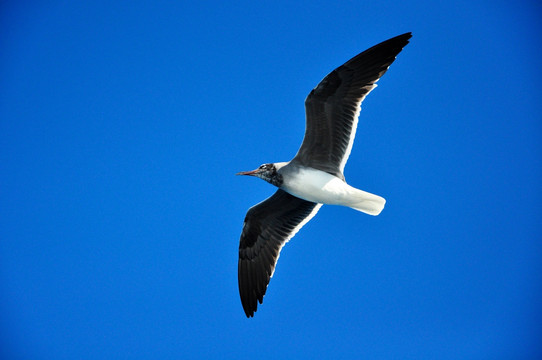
{"x":405,"y":36}
{"x":249,"y":309}
{"x":401,"y":40}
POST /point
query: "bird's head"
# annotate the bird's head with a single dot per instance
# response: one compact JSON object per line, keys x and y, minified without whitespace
{"x":267,"y":172}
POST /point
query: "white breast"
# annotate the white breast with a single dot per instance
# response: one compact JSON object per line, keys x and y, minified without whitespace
{"x":317,"y":186}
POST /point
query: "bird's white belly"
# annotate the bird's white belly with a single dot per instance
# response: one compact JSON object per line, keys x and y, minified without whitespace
{"x":319,"y":187}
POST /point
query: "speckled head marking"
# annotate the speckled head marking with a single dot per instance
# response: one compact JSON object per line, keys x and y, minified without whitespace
{"x":267,"y":172}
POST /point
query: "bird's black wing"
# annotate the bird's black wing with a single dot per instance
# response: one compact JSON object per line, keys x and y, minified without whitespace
{"x":268,"y":226}
{"x":332,"y":108}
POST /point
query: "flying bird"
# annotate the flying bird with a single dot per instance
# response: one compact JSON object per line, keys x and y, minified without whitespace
{"x":315,"y":175}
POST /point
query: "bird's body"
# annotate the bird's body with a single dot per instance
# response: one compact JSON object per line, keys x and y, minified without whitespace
{"x":324,"y":188}
{"x":315,"y":175}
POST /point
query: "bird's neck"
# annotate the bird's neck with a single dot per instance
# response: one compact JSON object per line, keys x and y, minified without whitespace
{"x":275,"y":179}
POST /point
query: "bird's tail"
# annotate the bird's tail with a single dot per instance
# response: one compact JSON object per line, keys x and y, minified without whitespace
{"x":366,"y":202}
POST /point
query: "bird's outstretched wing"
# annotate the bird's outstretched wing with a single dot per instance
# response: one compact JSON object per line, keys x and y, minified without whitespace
{"x":268,"y":226}
{"x":332,"y":108}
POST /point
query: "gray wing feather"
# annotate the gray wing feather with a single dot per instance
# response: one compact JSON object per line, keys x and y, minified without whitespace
{"x":332,"y":108}
{"x":267,"y":227}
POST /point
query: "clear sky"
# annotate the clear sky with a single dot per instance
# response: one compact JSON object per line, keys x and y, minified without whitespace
{"x":122,"y":125}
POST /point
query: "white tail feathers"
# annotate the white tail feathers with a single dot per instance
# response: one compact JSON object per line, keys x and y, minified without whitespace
{"x":366,"y":202}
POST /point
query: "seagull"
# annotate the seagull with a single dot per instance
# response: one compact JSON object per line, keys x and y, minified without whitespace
{"x":315,"y":175}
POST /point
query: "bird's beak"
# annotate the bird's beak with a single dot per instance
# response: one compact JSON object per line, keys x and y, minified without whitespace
{"x":252,"y":172}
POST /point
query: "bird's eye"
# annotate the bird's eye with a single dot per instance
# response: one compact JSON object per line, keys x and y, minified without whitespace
{"x":262,"y":166}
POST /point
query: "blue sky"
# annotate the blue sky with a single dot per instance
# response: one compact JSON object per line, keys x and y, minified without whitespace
{"x":122,"y":125}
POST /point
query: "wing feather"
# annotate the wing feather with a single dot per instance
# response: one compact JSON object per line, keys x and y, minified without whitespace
{"x":267,"y":227}
{"x":332,"y":108}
